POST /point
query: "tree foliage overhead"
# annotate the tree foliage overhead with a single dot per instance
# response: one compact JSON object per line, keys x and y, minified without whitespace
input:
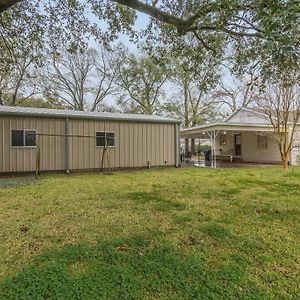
{"x":195,"y":79}
{"x":253,"y":25}
{"x":141,"y":81}
{"x":246,"y":31}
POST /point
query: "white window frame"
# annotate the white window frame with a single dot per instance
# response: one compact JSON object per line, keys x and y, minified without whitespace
{"x":260,"y":145}
{"x":24,"y":134}
{"x":105,"y":132}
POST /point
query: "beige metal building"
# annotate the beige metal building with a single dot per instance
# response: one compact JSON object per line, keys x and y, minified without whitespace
{"x":75,"y":140}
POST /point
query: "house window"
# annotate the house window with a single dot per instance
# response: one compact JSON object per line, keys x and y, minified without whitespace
{"x":104,"y":138}
{"x":262,"y":142}
{"x":23,"y":138}
{"x":222,"y":139}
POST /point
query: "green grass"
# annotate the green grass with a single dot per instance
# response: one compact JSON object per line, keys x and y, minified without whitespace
{"x":15,"y":181}
{"x":167,"y":234}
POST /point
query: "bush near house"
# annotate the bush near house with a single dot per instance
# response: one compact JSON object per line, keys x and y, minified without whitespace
{"x":167,"y":233}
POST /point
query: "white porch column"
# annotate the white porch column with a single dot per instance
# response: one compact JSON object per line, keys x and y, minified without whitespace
{"x":213,"y":159}
{"x":212,"y":151}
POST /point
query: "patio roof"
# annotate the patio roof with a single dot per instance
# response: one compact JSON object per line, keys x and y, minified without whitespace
{"x":205,"y":130}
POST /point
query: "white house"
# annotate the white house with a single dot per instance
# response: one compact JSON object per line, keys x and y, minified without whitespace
{"x":244,"y":136}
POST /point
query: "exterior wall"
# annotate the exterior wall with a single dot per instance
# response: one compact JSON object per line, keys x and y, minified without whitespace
{"x":136,"y":143}
{"x":227,"y":149}
{"x":295,"y":153}
{"x":250,"y":152}
{"x":24,"y":159}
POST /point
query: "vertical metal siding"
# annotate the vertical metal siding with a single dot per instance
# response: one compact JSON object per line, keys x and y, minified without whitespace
{"x":24,"y":159}
{"x":135,"y":144}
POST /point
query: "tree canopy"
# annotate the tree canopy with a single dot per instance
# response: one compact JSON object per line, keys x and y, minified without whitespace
{"x":264,"y":33}
{"x":262,"y":29}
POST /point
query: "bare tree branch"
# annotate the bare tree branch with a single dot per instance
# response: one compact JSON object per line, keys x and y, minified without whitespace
{"x":82,"y":80}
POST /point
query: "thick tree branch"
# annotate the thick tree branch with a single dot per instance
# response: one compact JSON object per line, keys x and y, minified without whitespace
{"x":184,"y":26}
{"x":6,"y":4}
{"x":155,"y":13}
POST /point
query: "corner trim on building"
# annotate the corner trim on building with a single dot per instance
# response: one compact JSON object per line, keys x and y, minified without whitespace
{"x":177,"y":144}
{"x":67,"y":167}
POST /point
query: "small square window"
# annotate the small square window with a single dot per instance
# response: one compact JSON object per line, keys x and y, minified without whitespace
{"x":100,"y":139}
{"x":105,"y":138}
{"x":17,"y":138}
{"x":30,"y":138}
{"x":222,"y":139}
{"x":110,"y":139}
{"x":262,"y":142}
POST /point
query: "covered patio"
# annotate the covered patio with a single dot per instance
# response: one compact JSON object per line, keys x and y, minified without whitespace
{"x":234,"y":144}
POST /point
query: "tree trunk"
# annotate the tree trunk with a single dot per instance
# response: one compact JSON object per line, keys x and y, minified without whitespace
{"x":193,"y":143}
{"x":186,"y":113}
{"x":6,"y":4}
{"x":186,"y":99}
{"x":285,"y":161}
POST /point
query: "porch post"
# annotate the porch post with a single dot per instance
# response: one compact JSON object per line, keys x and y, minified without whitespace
{"x":215,"y":156}
{"x":186,"y":147}
{"x":215,"y":161}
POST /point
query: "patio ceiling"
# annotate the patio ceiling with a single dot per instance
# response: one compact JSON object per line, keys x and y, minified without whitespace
{"x":204,"y":131}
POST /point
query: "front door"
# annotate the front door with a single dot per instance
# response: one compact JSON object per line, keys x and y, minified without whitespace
{"x":238,"y":145}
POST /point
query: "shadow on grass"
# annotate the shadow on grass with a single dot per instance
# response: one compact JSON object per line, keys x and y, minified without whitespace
{"x":134,"y":268}
{"x":223,"y":193}
{"x":271,"y":186}
{"x":160,"y":203}
{"x":17,"y":181}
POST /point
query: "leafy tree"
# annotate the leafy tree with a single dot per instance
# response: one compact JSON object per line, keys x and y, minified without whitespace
{"x":6,"y":4}
{"x":244,"y":25}
{"x":19,"y":76}
{"x":141,"y":80}
{"x":43,"y":103}
{"x":280,"y":102}
{"x":195,"y":80}
{"x":20,"y":55}
{"x":264,"y":31}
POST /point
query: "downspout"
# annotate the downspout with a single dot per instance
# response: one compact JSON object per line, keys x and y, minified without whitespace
{"x":212,"y":149}
{"x":177,"y":145}
{"x":67,"y":146}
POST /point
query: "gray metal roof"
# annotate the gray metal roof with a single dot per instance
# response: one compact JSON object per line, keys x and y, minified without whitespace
{"x":74,"y":114}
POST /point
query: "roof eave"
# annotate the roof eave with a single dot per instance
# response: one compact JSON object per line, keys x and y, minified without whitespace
{"x":66,"y":116}
{"x":226,"y":126}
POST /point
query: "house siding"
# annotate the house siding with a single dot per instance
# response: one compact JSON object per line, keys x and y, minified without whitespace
{"x":250,"y":151}
{"x":136,"y":143}
{"x":295,"y":153}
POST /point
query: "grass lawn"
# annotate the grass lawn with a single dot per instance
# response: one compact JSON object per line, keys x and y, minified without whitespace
{"x":166,"y":233}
